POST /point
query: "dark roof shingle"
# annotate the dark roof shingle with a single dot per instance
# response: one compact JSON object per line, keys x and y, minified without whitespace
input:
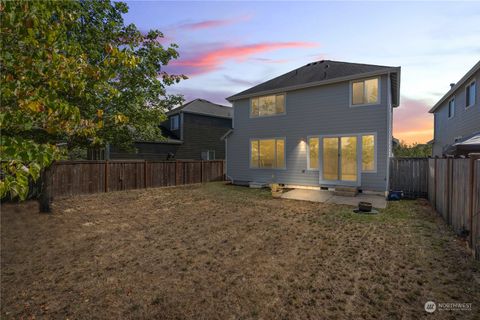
{"x":204,"y":107}
{"x":319,"y":71}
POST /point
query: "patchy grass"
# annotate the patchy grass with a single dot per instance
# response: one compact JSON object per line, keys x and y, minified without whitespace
{"x":224,"y":252}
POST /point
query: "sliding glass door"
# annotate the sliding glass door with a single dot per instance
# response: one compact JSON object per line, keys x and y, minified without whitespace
{"x":340,"y":159}
{"x":348,"y":156}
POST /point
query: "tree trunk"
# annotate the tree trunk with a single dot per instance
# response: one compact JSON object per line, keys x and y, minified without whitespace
{"x":45,"y":197}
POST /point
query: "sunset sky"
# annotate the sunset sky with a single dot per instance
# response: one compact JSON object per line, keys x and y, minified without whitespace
{"x":227,"y":47}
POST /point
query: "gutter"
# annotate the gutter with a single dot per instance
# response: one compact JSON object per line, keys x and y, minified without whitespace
{"x":314,"y":84}
{"x":225,"y":136}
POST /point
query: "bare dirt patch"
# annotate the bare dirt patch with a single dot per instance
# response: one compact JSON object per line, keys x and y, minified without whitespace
{"x":223,"y":252}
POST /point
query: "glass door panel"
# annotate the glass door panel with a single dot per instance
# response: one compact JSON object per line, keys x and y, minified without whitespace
{"x":348,"y":158}
{"x":330,"y":158}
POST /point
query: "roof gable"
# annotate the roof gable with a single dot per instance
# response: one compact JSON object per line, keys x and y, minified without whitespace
{"x":204,"y":107}
{"x":315,"y":73}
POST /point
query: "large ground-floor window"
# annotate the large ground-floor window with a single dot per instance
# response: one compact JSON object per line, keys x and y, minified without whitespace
{"x":368,"y":152}
{"x":267,"y":153}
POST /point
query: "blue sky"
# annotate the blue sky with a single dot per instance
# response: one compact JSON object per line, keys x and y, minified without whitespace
{"x":226,"y":47}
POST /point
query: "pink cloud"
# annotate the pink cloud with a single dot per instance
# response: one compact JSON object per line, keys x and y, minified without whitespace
{"x":412,"y":122}
{"x":211,"y":60}
{"x":207,"y":24}
{"x":267,"y":60}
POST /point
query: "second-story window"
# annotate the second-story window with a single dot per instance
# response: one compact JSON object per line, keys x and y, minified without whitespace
{"x":174,"y":122}
{"x":365,"y":92}
{"x":471,"y":92}
{"x":267,"y":106}
{"x":451,"y":108}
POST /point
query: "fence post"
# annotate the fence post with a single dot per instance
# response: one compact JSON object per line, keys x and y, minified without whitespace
{"x":435,"y":184}
{"x":449,"y":189}
{"x":201,"y":171}
{"x":145,"y":174}
{"x":184,"y":181}
{"x":473,"y":157}
{"x":176,"y":172}
{"x":106,"y":175}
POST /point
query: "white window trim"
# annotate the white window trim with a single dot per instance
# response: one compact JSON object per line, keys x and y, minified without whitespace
{"x":448,"y":107}
{"x":359,"y":138}
{"x":375,"y":146}
{"x":208,"y":154}
{"x":171,"y":122}
{"x":359,"y":160}
{"x":474,"y":97}
{"x":268,"y":115}
{"x":309,"y":167}
{"x":379,"y":100}
{"x":271,"y":138}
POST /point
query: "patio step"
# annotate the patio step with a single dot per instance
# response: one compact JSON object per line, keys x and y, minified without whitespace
{"x":346,"y":191}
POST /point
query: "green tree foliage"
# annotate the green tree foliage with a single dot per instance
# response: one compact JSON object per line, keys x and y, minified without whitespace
{"x":73,"y":74}
{"x":415,"y":150}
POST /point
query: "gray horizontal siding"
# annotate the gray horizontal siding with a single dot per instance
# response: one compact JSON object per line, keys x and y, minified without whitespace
{"x":314,"y":111}
{"x":145,"y":150}
{"x":464,"y":123}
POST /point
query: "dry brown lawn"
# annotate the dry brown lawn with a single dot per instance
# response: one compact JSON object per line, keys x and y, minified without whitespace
{"x":222,"y":252}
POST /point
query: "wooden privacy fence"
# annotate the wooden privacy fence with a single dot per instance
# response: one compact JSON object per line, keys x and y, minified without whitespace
{"x":409,"y":175}
{"x":452,"y":186}
{"x":69,"y":178}
{"x":454,"y":192}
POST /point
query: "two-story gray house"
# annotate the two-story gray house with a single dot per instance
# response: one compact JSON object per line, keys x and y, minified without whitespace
{"x":457,"y":117}
{"x":325,"y":124}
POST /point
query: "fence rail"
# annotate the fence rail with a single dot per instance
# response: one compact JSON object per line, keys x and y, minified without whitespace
{"x":82,"y":177}
{"x":452,"y":185}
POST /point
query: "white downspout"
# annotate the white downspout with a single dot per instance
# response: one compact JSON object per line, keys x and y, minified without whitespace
{"x":226,"y":162}
{"x":389,"y":130}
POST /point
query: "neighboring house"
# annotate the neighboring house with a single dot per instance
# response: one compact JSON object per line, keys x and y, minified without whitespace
{"x":326,"y":124}
{"x":192,"y":131}
{"x":395,"y":143}
{"x":457,"y":113}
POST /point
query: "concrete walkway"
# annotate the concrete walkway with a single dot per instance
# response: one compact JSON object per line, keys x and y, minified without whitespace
{"x":377,"y":201}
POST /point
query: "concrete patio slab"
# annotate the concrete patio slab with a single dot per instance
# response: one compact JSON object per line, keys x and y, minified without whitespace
{"x":308,"y":195}
{"x":325,"y":196}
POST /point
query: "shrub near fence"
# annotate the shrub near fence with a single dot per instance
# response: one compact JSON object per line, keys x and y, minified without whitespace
{"x":69,"y":178}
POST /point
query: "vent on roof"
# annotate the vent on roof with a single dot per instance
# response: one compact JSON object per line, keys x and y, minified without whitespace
{"x":327,"y":66}
{"x":322,"y":61}
{"x":452,"y":85}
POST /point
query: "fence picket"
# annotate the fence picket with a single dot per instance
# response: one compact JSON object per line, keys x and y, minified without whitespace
{"x":81,"y":177}
{"x":410,"y":176}
{"x":451,"y":185}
